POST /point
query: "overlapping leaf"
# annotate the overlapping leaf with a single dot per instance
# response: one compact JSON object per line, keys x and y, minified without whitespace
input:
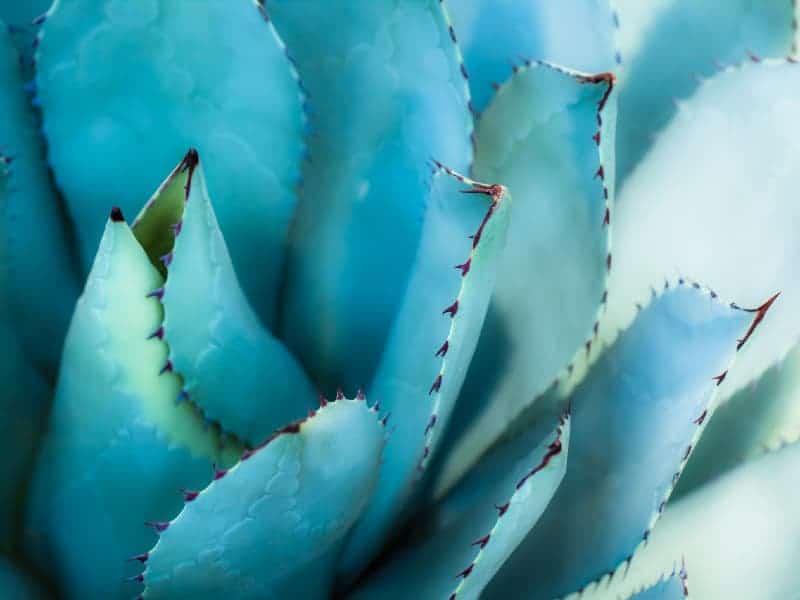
{"x":387,"y":95}
{"x":126,"y":88}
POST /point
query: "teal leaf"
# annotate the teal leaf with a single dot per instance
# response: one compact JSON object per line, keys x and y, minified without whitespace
{"x":496,"y":34}
{"x":386,"y":96}
{"x":16,"y":13}
{"x":431,"y":343}
{"x":739,"y":536}
{"x":673,"y":587}
{"x":735,"y":140}
{"x":635,"y":419}
{"x":549,"y":136}
{"x":762,"y":416}
{"x":24,"y":401}
{"x":657,"y":70}
{"x":125,"y":89}
{"x":506,"y":494}
{"x":35,"y":253}
{"x":16,"y":584}
{"x":233,"y":369}
{"x":117,"y":441}
{"x":273,"y":526}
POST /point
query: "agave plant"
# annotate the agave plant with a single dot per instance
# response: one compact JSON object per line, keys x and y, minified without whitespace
{"x":331,"y":356}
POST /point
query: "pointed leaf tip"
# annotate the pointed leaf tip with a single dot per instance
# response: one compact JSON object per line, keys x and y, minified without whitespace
{"x":116,"y":215}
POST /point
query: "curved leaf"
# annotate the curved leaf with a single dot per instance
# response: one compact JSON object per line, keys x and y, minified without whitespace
{"x":506,"y":494}
{"x":125,"y":89}
{"x":431,"y":344}
{"x":387,"y":96}
{"x":496,"y":34}
{"x":674,"y":587}
{"x":765,"y":415}
{"x":635,"y":418}
{"x":117,"y":439}
{"x":273,"y":526}
{"x":739,"y":536}
{"x":34,"y":246}
{"x":232,"y":368}
{"x":722,"y":179}
{"x":549,"y":136}
{"x":657,"y":69}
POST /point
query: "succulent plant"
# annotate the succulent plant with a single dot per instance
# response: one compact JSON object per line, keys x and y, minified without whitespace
{"x":365,"y":336}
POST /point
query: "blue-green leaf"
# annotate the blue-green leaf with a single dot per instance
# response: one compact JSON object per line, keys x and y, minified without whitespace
{"x":549,"y":136}
{"x":127,"y":88}
{"x":764,"y":415}
{"x":496,"y":34}
{"x":739,"y":536}
{"x":431,"y":343}
{"x":465,"y":546}
{"x":668,"y":45}
{"x":386,"y":96}
{"x":117,"y":441}
{"x":17,"y":13}
{"x":635,"y":419}
{"x":673,"y":587}
{"x":16,"y":584}
{"x":232,"y":368}
{"x":273,"y":526}
{"x":35,"y":256}
{"x":722,"y":179}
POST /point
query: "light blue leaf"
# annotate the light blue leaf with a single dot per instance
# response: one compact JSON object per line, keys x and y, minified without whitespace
{"x":117,"y":441}
{"x":668,"y":45}
{"x":722,"y":179}
{"x":549,"y":136}
{"x":16,"y":584}
{"x":674,"y":587}
{"x":387,"y":96}
{"x":765,"y":415}
{"x":127,"y":88}
{"x":273,"y":526}
{"x":635,"y":418}
{"x":35,"y":256}
{"x":739,"y":536}
{"x":232,"y":368}
{"x":506,"y":494}
{"x":431,"y":344}
{"x":497,"y":34}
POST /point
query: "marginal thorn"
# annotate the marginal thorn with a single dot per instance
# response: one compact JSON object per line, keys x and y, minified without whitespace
{"x":135,"y":579}
{"x":142,"y":558}
{"x":189,"y":495}
{"x":159,"y":526}
{"x":483,"y":541}
{"x":339,"y":394}
{"x":360,"y":395}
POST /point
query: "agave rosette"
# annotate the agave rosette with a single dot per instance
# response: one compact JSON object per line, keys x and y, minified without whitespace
{"x":366,"y":334}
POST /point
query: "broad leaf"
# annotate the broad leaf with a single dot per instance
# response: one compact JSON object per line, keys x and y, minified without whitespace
{"x":273,"y":526}
{"x":117,"y":440}
{"x":667,"y":46}
{"x":739,"y":536}
{"x":722,"y":179}
{"x":431,"y":343}
{"x":232,"y":368}
{"x":386,"y":96}
{"x":549,"y":136}
{"x":495,"y":507}
{"x":496,"y":34}
{"x":126,"y":88}
{"x":635,"y":418}
{"x":764,"y":415}
{"x":35,"y":255}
